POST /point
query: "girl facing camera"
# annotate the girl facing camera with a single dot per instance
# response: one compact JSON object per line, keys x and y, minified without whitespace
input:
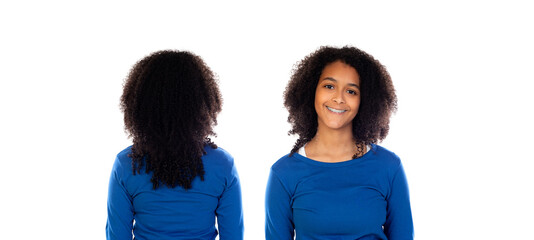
{"x":337,"y":183}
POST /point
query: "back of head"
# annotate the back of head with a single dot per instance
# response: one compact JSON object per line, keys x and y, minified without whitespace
{"x":170,"y":103}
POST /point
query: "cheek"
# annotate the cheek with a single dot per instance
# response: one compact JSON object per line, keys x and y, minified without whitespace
{"x":319,"y":98}
{"x":322,"y":95}
{"x":317,"y":106}
{"x":355,"y":105}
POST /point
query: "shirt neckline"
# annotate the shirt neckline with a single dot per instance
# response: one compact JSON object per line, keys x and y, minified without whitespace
{"x":336,"y":164}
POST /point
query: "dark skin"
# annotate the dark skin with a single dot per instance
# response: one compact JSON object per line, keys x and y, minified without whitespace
{"x":337,"y":99}
{"x":377,"y":98}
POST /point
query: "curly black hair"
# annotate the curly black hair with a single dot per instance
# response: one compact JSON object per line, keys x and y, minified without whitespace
{"x":378,"y":98}
{"x":171,"y":100}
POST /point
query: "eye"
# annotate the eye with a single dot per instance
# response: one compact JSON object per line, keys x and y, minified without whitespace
{"x":352,"y":92}
{"x":329,"y":86}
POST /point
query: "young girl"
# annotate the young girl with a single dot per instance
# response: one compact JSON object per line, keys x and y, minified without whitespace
{"x":337,"y":183}
{"x":173,"y":182}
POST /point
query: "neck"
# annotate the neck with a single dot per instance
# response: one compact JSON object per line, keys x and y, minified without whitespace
{"x":334,"y":139}
{"x":331,"y":145}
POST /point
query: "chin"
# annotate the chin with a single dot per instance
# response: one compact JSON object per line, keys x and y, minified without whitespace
{"x":337,"y":126}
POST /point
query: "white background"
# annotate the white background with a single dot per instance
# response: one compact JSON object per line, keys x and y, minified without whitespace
{"x":463,"y":73}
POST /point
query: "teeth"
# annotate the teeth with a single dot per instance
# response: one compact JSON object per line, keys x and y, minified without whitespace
{"x":335,"y":110}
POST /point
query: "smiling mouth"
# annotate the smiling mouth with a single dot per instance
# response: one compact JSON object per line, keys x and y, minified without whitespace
{"x":335,"y":110}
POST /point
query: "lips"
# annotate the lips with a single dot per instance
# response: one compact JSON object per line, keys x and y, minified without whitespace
{"x":335,"y":110}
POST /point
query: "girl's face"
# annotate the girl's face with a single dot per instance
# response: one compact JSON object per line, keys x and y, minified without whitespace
{"x":337,"y":97}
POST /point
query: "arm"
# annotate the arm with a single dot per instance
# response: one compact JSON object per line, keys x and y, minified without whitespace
{"x":229,"y":211}
{"x":399,"y":223}
{"x":120,"y":209}
{"x":278,"y":214}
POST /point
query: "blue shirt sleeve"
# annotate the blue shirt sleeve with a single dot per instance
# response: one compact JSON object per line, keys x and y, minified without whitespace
{"x":229,"y":210}
{"x":120,"y":209}
{"x":399,"y":225}
{"x":278,"y":215}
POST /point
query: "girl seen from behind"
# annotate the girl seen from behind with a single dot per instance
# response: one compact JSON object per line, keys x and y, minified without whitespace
{"x":173,"y":182}
{"x":337,"y":183}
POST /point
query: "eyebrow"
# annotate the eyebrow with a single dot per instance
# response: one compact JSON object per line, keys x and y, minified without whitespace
{"x":334,"y":80}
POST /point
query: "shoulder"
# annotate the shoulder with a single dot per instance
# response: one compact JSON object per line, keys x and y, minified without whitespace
{"x":389,"y":163}
{"x":122,"y":167}
{"x":285,"y":163}
{"x":218,"y":155}
{"x":218,"y":158}
{"x":291,"y":168}
{"x":124,"y":153}
{"x":219,"y":167}
{"x":385,"y":157}
{"x":123,"y":161}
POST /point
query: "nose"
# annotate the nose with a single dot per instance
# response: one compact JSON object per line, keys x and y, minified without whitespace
{"x":338,"y":97}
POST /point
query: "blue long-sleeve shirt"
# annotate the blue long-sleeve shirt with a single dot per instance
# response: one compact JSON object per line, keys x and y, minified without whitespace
{"x":363,"y":198}
{"x":175,"y":213}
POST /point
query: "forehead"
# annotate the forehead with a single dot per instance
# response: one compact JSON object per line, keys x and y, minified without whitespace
{"x":340,"y":71}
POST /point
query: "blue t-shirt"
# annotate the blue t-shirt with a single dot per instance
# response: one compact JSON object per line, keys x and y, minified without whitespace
{"x":363,"y":198}
{"x":175,"y":213}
